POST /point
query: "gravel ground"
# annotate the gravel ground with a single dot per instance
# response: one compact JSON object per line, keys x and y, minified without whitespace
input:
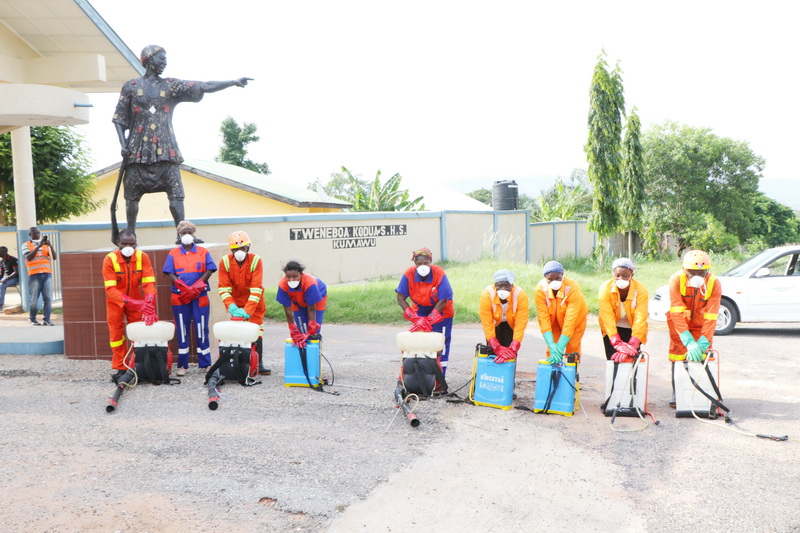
{"x":273,"y":458}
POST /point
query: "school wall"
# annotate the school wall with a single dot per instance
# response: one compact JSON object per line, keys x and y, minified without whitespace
{"x":209,"y":197}
{"x":347,"y":247}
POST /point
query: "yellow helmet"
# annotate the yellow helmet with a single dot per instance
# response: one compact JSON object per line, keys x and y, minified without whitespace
{"x":696,"y":260}
{"x":238,"y":239}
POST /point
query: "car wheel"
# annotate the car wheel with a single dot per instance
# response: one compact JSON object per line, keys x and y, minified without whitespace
{"x":726,"y":318}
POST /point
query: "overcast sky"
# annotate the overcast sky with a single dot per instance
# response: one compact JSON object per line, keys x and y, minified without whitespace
{"x":463,"y":93}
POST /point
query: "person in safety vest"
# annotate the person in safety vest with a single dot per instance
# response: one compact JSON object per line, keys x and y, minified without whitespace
{"x":304,"y":298}
{"x":504,"y":313}
{"x":38,"y":254}
{"x":189,"y":267}
{"x":694,"y":298}
{"x":431,"y":296}
{"x":241,"y":288}
{"x":130,"y":285}
{"x":562,"y":311}
{"x":623,"y":312}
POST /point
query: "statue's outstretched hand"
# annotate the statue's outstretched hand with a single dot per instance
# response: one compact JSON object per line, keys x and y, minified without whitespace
{"x":241,"y":82}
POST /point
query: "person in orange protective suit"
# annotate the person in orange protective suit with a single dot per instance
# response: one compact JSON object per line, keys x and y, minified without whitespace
{"x":504,"y":312}
{"x":241,"y":288}
{"x":694,"y":298}
{"x":562,"y":311}
{"x":130,"y":286}
{"x":623,"y":303}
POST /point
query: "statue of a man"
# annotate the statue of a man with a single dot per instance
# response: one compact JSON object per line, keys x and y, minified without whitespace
{"x":150,"y":153}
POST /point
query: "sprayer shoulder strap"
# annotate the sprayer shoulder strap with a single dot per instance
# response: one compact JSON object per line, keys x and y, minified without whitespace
{"x":423,"y":383}
{"x":304,"y":362}
{"x":611,"y":392}
{"x":437,"y":370}
{"x":716,"y":402}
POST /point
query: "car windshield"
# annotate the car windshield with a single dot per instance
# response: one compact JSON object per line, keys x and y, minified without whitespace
{"x":743,"y":268}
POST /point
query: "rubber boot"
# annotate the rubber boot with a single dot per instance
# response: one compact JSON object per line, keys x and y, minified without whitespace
{"x":672,"y":401}
{"x":260,"y":351}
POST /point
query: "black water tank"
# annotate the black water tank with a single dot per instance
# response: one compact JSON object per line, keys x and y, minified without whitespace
{"x":505,"y":195}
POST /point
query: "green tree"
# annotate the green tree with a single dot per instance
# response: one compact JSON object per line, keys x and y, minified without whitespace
{"x":606,"y":106}
{"x":234,"y":145}
{"x":774,"y":224}
{"x":482,"y":195}
{"x":341,"y":185}
{"x":63,"y":184}
{"x":691,"y":170}
{"x":571,"y":200}
{"x":632,"y":199}
{"x":384,"y":196}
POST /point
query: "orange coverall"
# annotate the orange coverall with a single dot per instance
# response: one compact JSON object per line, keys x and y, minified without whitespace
{"x":122,"y":276}
{"x":636,"y":309}
{"x":691,"y":309}
{"x":563,"y":313}
{"x":243,"y":286}
{"x":491,"y":312}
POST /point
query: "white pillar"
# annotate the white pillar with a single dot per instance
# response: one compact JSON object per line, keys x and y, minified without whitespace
{"x":24,"y":199}
{"x":22,"y":161}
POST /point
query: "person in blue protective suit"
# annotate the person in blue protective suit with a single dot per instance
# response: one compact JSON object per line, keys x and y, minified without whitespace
{"x":304,"y":298}
{"x":562,"y":311}
{"x":431,"y":307}
{"x":189,"y":267}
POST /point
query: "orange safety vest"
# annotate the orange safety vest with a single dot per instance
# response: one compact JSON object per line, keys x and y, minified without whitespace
{"x":40,"y":264}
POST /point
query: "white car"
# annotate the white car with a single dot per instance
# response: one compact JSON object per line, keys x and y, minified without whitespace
{"x":765,"y":288}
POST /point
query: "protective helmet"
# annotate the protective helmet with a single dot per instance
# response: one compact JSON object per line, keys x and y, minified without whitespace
{"x":238,"y":239}
{"x":696,"y":260}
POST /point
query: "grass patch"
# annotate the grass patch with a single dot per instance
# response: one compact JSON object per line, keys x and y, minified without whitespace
{"x":375,"y":302}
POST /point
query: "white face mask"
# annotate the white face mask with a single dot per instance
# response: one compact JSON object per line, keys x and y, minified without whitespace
{"x":622,"y":283}
{"x":187,"y":238}
{"x":555,"y":284}
{"x":36,"y":241}
{"x":240,"y":255}
{"x":696,"y":282}
{"x":294,"y":284}
{"x":127,"y":251}
{"x":423,"y":270}
{"x":503,"y":294}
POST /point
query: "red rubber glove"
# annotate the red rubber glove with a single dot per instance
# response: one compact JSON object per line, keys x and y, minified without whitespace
{"x":196,"y":288}
{"x":421,"y":324}
{"x":410,"y":315}
{"x":635,"y":343}
{"x":504,"y":354}
{"x":313,"y":328}
{"x":149,"y":310}
{"x":495,"y":344}
{"x":620,"y":346}
{"x":133,"y":305}
{"x":434,"y":317}
{"x":620,"y":357}
{"x":184,"y":296}
{"x":298,"y":339}
{"x":514,"y":347}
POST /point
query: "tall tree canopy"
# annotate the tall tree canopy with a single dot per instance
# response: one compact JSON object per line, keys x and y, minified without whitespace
{"x":234,"y":145}
{"x":63,"y":184}
{"x":632,"y":199}
{"x":603,"y":151}
{"x":691,"y":172}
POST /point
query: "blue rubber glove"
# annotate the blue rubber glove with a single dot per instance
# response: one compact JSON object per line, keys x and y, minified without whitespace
{"x":237,"y":312}
{"x":704,"y":343}
{"x":548,"y":339}
{"x":232,"y":309}
{"x":563,"y":340}
{"x":554,"y":358}
{"x":686,"y":338}
{"x":694,"y":352}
